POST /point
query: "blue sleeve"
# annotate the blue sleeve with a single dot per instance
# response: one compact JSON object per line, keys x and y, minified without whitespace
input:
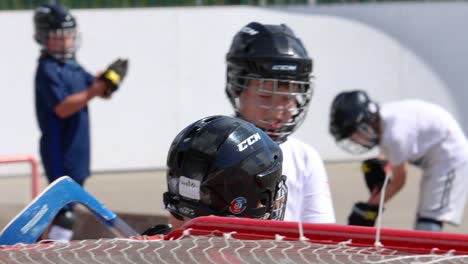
{"x":50,"y":86}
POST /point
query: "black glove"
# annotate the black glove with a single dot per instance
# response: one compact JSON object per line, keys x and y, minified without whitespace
{"x":375,"y":171}
{"x":161,"y":229}
{"x":363,"y":214}
{"x":114,"y":75}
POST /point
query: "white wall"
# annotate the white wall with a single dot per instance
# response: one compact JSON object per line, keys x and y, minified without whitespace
{"x":177,"y":70}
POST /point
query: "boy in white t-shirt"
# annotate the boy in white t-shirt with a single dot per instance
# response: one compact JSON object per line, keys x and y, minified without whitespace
{"x":407,"y":131}
{"x":269,"y":84}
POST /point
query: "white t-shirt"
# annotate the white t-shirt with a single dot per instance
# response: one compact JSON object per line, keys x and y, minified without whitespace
{"x":422,"y":133}
{"x":309,"y":196}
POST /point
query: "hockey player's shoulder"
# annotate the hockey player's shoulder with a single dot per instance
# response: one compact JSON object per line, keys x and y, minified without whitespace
{"x":300,"y":147}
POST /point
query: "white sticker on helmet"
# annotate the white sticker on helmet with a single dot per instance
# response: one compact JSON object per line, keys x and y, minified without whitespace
{"x":249,"y":31}
{"x":372,"y":107}
{"x":284,"y":67}
{"x":189,"y":188}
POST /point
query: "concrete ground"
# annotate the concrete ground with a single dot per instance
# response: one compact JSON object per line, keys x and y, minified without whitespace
{"x":140,"y":193}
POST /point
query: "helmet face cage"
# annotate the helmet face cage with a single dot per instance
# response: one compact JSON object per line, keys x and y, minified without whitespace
{"x":362,"y":140}
{"x":60,"y":37}
{"x":225,"y":166}
{"x":273,"y":97}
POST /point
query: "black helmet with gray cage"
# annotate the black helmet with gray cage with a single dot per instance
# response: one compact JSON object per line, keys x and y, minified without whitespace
{"x":55,"y":20}
{"x":271,"y":53}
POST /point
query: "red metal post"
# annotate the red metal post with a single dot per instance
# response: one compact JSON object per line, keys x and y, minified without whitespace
{"x":34,"y":169}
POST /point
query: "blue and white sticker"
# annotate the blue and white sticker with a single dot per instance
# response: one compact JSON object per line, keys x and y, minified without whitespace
{"x":238,"y":205}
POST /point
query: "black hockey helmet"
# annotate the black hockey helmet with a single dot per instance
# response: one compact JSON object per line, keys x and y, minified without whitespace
{"x":225,"y":166}
{"x":353,"y":121}
{"x":54,"y":20}
{"x":270,"y":53}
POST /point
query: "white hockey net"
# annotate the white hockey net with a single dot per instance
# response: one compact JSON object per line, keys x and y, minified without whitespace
{"x":226,"y":240}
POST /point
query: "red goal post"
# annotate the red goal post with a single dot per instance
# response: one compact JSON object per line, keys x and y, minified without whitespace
{"x":34,"y":169}
{"x":411,"y":241}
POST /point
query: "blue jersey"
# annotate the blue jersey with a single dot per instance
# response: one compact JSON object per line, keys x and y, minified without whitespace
{"x":64,"y":143}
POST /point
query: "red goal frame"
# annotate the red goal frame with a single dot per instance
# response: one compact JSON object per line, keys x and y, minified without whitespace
{"x":419,"y":242}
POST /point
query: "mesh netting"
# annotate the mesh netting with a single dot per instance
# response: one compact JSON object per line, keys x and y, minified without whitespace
{"x":213,"y":249}
{"x":234,"y":240}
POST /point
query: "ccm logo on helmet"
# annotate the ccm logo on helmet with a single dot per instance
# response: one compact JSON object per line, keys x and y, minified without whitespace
{"x":43,"y":9}
{"x":284,"y":67}
{"x":249,"y":141}
{"x":249,"y":31}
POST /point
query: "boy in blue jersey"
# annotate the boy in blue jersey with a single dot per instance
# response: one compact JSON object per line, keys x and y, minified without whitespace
{"x":62,"y":90}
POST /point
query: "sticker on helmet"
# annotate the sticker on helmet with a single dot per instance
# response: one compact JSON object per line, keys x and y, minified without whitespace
{"x":249,"y":31}
{"x":189,"y":188}
{"x":284,"y":67}
{"x":187,"y":211}
{"x":238,"y":205}
{"x":249,"y":141}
